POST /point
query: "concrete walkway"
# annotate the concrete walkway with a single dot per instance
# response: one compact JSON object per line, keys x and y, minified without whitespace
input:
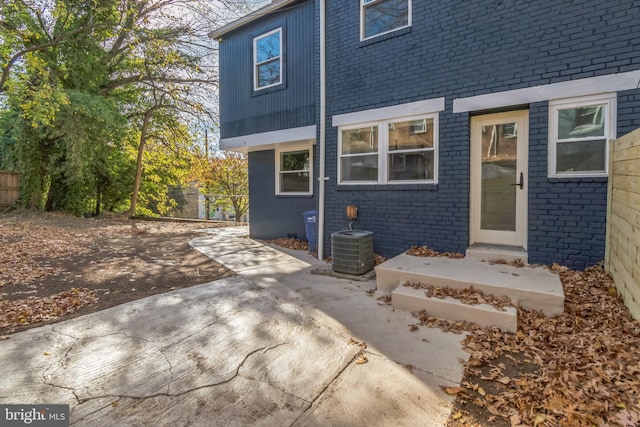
{"x":268,"y":347}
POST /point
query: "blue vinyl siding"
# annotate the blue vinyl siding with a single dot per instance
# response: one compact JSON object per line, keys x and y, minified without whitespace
{"x":244,"y":111}
{"x":273,"y":216}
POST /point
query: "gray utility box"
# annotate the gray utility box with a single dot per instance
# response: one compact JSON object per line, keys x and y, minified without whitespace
{"x":352,"y":251}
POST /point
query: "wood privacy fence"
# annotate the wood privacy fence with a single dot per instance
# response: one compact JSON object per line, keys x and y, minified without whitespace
{"x":622,"y":258}
{"x":9,"y":188}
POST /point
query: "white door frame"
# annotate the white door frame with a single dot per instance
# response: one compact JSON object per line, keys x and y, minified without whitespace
{"x":518,"y":237}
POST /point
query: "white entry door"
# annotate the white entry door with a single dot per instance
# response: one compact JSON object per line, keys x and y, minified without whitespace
{"x":499,"y":145}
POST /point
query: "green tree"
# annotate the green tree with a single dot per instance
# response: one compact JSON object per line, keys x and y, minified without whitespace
{"x":82,"y":75}
{"x":230,"y":179}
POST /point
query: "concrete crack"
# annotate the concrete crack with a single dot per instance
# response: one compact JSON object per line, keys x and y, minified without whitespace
{"x":413,"y":368}
{"x":89,"y":337}
{"x":61,"y":362}
{"x":191,"y":390}
{"x":170,"y":368}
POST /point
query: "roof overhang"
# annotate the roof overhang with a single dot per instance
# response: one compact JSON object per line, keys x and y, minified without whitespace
{"x":263,"y":11}
{"x":268,"y":140}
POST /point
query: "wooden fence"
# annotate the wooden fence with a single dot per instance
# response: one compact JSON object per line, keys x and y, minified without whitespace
{"x":9,"y":188}
{"x":622,"y":258}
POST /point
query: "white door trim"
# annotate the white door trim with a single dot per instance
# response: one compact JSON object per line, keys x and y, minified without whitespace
{"x":517,"y":238}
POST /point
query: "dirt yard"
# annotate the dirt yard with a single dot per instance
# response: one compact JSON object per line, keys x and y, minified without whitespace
{"x":53,"y":267}
{"x":581,"y":368}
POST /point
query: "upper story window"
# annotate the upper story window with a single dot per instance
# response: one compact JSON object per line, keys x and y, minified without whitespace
{"x":294,"y":171}
{"x":383,"y":16}
{"x":397,"y":151}
{"x":267,"y":59}
{"x":579,"y":134}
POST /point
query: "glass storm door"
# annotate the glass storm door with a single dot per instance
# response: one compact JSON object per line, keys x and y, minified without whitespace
{"x":499,"y":144}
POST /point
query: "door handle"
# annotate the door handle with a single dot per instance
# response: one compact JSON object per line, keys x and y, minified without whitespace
{"x":521,"y":183}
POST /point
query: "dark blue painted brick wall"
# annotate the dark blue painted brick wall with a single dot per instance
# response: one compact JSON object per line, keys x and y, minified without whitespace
{"x":273,"y":216}
{"x":458,"y":49}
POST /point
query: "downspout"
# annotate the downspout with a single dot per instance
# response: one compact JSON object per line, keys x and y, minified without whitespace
{"x":321,"y":143}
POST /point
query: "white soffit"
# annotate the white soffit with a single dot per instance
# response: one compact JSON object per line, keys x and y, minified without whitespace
{"x":384,"y":113}
{"x":568,"y":89}
{"x":267,"y":140}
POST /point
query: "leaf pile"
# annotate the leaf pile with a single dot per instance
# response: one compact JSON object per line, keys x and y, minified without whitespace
{"x":457,"y":327}
{"x":425,"y":251}
{"x":588,"y":360}
{"x":515,"y":263}
{"x":301,"y":245}
{"x":468,"y":295}
{"x":378,"y":259}
{"x":290,"y":243}
{"x":23,"y":246}
{"x":33,"y":310}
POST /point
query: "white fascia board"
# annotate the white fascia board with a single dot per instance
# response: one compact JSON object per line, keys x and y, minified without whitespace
{"x":568,"y":89}
{"x":268,"y":140}
{"x":257,"y":14}
{"x":385,"y":113}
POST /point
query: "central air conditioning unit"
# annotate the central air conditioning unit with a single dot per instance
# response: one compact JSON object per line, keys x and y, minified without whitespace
{"x":352,"y":251}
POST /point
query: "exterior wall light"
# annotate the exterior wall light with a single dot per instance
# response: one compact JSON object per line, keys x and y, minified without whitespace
{"x":352,"y":212}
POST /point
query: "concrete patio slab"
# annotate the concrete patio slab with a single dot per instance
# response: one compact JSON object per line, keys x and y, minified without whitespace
{"x":269,"y":347}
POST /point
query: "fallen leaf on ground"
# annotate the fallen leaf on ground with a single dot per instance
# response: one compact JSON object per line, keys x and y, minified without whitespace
{"x":452,"y":391}
{"x":504,"y":380}
{"x":360,"y":344}
{"x":290,"y":243}
{"x":33,"y":310}
{"x":361,"y":360}
{"x":424,"y":251}
{"x":468,"y":295}
{"x":587,"y":358}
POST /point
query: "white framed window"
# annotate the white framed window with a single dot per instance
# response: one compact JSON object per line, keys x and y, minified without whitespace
{"x":383,"y":16}
{"x":267,"y":59}
{"x":294,"y":171}
{"x":579,"y":133}
{"x":393,"y":151}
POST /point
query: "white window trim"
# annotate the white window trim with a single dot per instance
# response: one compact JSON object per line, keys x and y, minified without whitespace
{"x":362,"y":18}
{"x":256,"y":63}
{"x":288,"y":149}
{"x":609,"y":99}
{"x":383,"y":150}
{"x":608,"y":83}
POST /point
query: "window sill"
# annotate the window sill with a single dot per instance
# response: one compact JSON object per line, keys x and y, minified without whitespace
{"x":385,"y":36}
{"x":270,"y":89}
{"x":578,"y":179}
{"x":427,"y":186}
{"x":288,"y":196}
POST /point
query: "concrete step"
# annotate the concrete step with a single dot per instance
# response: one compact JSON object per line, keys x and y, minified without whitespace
{"x":483,"y":252}
{"x":536,"y":288}
{"x":414,"y":300}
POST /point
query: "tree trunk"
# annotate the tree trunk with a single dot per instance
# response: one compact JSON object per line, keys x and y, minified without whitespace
{"x":56,"y":197}
{"x":143,"y":139}
{"x":98,"y":198}
{"x":207,"y":207}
